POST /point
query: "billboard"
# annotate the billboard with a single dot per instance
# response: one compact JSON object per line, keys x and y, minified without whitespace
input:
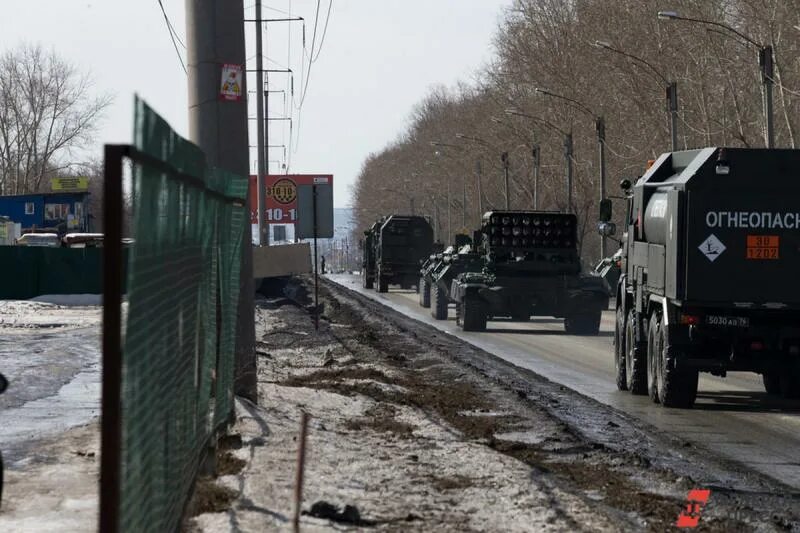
{"x":281,"y":201}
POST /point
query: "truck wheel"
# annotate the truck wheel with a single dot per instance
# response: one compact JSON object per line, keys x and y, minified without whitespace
{"x":438,"y":303}
{"x":635,"y":358}
{"x":653,"y":336}
{"x":366,"y":281}
{"x":619,"y":350}
{"x":383,"y":284}
{"x":424,"y":293}
{"x":521,"y":318}
{"x":772,"y":382}
{"x":790,"y":380}
{"x":582,"y":324}
{"x":473,"y":316}
{"x":675,"y":387}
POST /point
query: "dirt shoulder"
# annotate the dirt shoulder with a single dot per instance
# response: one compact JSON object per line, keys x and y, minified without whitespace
{"x":415,"y":430}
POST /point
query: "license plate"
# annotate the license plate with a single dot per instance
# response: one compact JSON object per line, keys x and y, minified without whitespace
{"x":728,"y":321}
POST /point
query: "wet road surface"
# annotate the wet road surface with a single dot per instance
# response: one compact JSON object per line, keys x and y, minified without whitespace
{"x":733,"y":416}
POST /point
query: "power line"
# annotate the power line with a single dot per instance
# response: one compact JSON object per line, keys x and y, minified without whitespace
{"x":324,"y":32}
{"x":173,"y":36}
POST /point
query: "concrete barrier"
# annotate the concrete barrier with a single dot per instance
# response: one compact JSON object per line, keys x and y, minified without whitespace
{"x":281,"y":260}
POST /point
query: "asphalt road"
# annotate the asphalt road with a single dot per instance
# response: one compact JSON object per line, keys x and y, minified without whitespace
{"x":733,"y":417}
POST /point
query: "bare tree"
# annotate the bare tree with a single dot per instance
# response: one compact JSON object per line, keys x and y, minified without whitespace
{"x":46,"y":114}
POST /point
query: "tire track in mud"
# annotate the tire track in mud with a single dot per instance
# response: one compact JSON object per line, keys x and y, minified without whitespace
{"x":632,"y":472}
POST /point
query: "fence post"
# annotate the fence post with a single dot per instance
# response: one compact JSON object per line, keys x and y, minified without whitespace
{"x":111,"y":415}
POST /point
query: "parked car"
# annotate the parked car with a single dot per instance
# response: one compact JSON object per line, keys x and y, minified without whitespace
{"x":83,"y":240}
{"x":50,"y":240}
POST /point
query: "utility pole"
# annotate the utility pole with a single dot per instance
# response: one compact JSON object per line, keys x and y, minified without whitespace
{"x":536,"y":164}
{"x":767,"y":64}
{"x":600,"y":124}
{"x":478,"y":172}
{"x":672,"y":101}
{"x":568,"y":158}
{"x":215,"y":36}
{"x":504,"y":159}
{"x":464,"y":204}
{"x":263,"y":229}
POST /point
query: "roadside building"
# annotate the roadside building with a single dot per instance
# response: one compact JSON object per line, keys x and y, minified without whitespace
{"x":58,"y":212}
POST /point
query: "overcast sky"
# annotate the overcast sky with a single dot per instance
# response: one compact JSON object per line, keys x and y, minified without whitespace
{"x":378,"y":59}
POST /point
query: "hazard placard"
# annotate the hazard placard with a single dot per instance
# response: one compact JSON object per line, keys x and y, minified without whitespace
{"x":763,"y":247}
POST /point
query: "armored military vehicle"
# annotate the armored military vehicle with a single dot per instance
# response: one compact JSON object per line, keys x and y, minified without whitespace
{"x":530,"y":266}
{"x":439,"y":272}
{"x":709,"y":281}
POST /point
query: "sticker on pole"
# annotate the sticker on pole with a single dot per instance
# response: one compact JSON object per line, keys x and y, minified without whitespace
{"x":712,"y":247}
{"x":231,"y":83}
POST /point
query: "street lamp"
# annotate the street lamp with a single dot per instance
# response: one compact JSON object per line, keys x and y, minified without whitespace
{"x":600,"y":128}
{"x":503,"y":158}
{"x":671,"y":87}
{"x":568,"y":148}
{"x":765,"y":63}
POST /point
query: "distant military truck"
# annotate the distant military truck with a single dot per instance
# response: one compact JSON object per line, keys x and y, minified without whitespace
{"x":530,"y":266}
{"x":400,"y":244}
{"x":711,"y":251}
{"x":368,"y":256}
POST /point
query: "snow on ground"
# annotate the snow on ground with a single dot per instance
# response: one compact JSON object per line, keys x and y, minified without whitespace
{"x":70,"y":299}
{"x":50,"y":353}
{"x":403,"y":467}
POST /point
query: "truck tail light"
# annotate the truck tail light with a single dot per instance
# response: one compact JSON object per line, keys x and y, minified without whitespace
{"x":757,"y":346}
{"x":689,"y":320}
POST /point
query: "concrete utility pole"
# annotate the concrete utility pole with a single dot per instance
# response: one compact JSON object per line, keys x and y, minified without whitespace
{"x":215,"y":36}
{"x":263,"y":228}
{"x":600,"y":125}
{"x":568,"y":159}
{"x":536,"y":152}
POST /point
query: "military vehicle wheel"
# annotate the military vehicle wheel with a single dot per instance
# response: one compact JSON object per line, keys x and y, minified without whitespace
{"x":790,"y":380}
{"x":438,"y":303}
{"x":653,"y":336}
{"x":676,"y":387}
{"x":366,"y":281}
{"x":424,"y":293}
{"x":635,"y":358}
{"x":472,"y":315}
{"x":521,"y":318}
{"x":619,"y":350}
{"x":383,"y":284}
{"x":582,"y":324}
{"x":772,"y":382}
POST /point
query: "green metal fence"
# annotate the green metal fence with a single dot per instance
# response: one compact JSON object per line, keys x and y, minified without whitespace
{"x":174,"y":372}
{"x":29,"y":271}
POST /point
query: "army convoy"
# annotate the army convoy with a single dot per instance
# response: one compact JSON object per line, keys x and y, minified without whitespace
{"x":704,"y":279}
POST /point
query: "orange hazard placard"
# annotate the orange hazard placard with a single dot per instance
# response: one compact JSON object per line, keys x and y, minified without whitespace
{"x":763,"y":247}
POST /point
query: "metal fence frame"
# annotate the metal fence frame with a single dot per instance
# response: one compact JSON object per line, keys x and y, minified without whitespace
{"x":112,"y":342}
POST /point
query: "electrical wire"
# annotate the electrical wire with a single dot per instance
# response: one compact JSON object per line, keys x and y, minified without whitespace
{"x":310,"y":56}
{"x":173,"y":36}
{"x":324,"y":32}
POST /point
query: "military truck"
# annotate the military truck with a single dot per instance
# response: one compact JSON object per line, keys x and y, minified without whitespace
{"x":368,"y":256}
{"x":709,"y":280}
{"x":399,"y":245}
{"x":439,"y":272}
{"x":530,"y":266}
